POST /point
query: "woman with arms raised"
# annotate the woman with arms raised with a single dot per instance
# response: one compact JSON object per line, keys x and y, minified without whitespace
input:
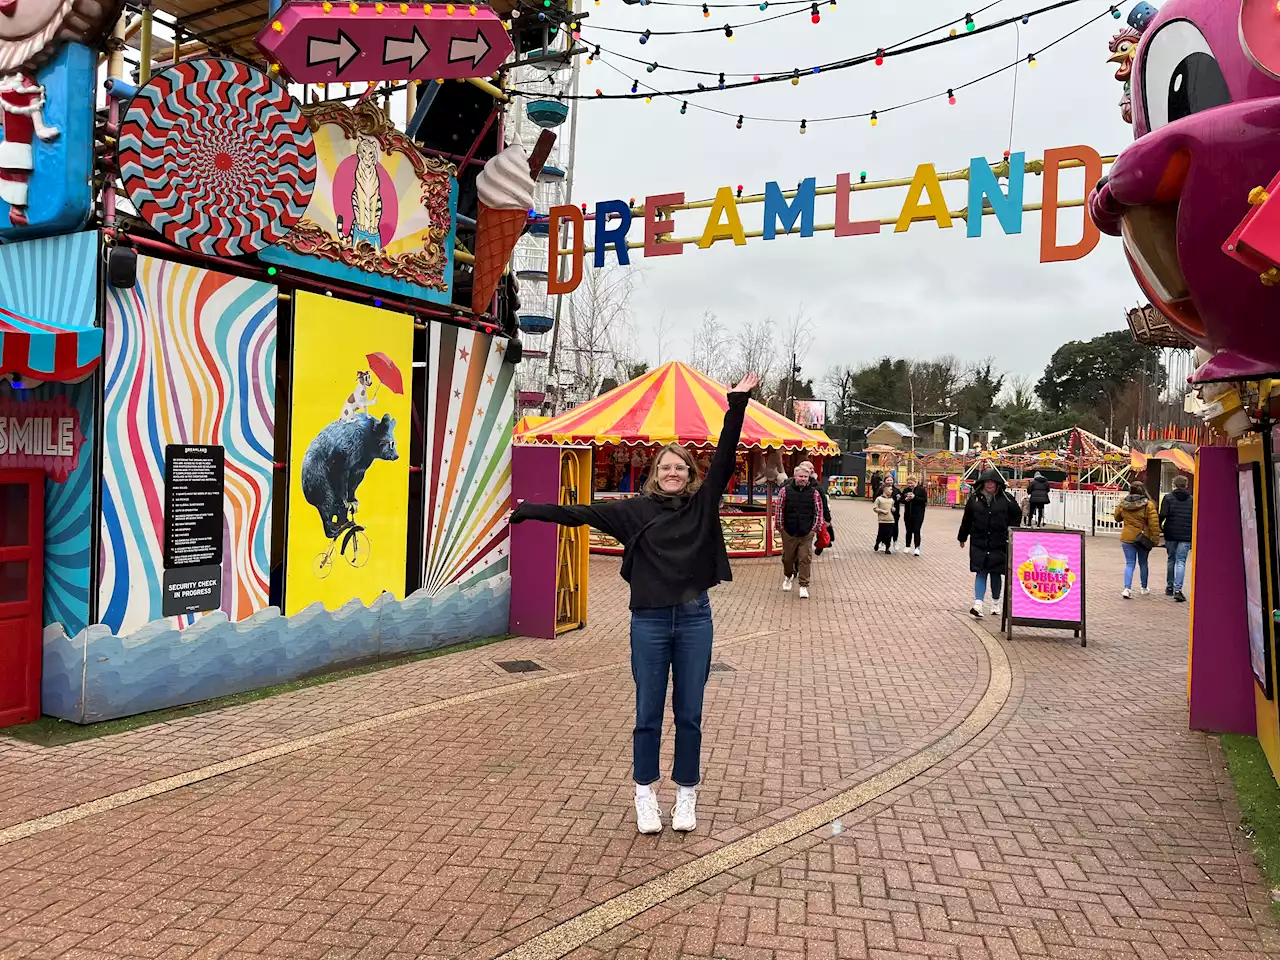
{"x":673,"y":551}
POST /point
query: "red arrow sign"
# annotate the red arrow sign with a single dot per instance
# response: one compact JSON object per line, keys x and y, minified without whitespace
{"x":325,"y":42}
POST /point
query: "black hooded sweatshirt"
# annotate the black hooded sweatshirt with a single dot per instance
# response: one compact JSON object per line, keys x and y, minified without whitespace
{"x":986,"y":525}
{"x":682,"y":553}
{"x":1176,"y":514}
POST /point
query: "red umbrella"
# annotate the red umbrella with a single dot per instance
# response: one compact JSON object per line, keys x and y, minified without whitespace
{"x":385,"y":369}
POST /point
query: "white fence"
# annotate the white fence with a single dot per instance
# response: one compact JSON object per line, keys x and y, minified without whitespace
{"x":1090,"y":511}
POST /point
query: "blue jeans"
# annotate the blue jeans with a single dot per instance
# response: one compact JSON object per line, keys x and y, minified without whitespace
{"x":980,"y":585}
{"x":675,"y":639}
{"x":1178,"y":550}
{"x":1134,"y":554}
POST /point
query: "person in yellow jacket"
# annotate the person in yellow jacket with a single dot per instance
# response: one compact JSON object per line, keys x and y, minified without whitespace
{"x":1139,"y":535}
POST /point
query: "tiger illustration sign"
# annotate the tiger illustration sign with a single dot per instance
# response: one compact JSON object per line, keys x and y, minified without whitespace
{"x":1046,"y":579}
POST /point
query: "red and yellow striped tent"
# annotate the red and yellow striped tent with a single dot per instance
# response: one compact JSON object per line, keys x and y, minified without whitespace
{"x":672,"y":404}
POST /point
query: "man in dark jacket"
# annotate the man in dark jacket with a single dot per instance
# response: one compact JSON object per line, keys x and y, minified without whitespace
{"x":877,"y":480}
{"x":988,"y":514}
{"x":1038,"y":496}
{"x":1176,"y":512}
{"x":799,"y":512}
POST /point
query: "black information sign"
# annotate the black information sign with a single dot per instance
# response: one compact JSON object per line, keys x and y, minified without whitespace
{"x":191,"y":590}
{"x":193,"y":485}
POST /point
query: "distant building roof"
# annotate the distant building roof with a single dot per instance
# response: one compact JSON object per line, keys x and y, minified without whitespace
{"x":901,"y":429}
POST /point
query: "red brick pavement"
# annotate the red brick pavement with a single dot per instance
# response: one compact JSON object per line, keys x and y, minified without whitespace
{"x":1085,"y":822}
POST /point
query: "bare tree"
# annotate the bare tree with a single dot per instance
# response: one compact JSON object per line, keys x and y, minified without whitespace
{"x":797,"y":340}
{"x":662,"y":332}
{"x":756,"y":351}
{"x":597,"y":337}
{"x":709,"y":348}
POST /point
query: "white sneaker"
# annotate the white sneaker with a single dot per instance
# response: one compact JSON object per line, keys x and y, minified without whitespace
{"x":786,"y":583}
{"x":995,"y":610}
{"x":917,"y":551}
{"x":1145,"y":592}
{"x":1125,"y":593}
{"x":648,"y":813}
{"x":804,"y":593}
{"x":976,"y":609}
{"x":683,"y":816}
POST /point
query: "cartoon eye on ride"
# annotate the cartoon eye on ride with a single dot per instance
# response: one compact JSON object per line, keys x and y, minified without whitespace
{"x":1180,"y":75}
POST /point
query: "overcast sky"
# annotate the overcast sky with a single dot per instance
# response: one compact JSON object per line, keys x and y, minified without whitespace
{"x":918,"y":294}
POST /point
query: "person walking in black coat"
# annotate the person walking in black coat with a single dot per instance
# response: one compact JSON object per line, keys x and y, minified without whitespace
{"x":877,"y":481}
{"x":673,"y":551}
{"x":988,"y":515}
{"x":915,"y":498}
{"x":1177,"y":511}
{"x":1038,"y":495}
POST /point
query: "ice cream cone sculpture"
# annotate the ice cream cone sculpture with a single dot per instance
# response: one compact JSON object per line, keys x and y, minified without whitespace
{"x":505,"y":189}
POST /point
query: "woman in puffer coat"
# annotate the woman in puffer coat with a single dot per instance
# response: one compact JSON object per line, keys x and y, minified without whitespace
{"x":1139,"y":534}
{"x":988,"y":514}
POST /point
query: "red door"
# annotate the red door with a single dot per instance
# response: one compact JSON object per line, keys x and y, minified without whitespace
{"x":21,"y":593}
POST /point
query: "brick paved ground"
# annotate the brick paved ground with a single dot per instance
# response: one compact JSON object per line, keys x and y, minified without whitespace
{"x":1085,"y":821}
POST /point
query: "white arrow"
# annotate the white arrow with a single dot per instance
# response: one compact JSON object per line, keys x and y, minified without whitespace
{"x":474,"y":50}
{"x":341,"y":51}
{"x":395,"y":49}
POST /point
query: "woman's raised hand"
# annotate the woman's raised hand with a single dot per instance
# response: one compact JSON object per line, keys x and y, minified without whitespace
{"x":747,"y":384}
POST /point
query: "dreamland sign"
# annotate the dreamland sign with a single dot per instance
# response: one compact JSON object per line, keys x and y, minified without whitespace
{"x":924,"y":201}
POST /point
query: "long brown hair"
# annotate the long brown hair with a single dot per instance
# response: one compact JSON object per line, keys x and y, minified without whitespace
{"x":1137,"y":489}
{"x":651,"y":484}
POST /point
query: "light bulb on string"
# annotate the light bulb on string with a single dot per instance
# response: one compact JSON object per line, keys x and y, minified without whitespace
{"x":764,"y":5}
{"x":648,"y":99}
{"x":755,"y":78}
{"x":1031,"y":60}
{"x":1026,"y":18}
{"x":862,"y":177}
{"x":644,"y":37}
{"x":635,"y":86}
{"x":969,"y":25}
{"x":817,"y":69}
{"x":802,"y":126}
{"x":954,"y":31}
{"x":880,"y":57}
{"x":951,"y":96}
{"x":652,"y":67}
{"x":875,"y":118}
{"x":684,"y":107}
{"x":739,"y":121}
{"x":814,"y":15}
{"x":739,"y":191}
{"x":1115,"y":11}
{"x":705,"y":11}
{"x":728,"y":32}
{"x":722,"y":81}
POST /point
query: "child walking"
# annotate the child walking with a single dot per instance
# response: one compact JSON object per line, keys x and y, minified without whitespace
{"x":884,"y":505}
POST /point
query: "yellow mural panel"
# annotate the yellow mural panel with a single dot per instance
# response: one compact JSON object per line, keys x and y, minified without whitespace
{"x":348,"y":453}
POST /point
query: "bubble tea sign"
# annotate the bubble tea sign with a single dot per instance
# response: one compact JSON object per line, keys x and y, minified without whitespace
{"x":1046,"y":580}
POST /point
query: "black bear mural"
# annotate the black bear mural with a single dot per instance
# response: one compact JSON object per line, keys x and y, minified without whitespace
{"x":336,"y":461}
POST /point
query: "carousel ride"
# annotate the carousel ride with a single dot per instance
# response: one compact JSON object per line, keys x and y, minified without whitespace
{"x":625,"y":427}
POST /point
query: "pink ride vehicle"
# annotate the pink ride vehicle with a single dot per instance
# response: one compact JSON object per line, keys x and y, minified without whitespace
{"x":1206,"y":118}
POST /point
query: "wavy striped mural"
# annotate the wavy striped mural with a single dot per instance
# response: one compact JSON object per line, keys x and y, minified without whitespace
{"x":190,"y":358}
{"x":470,"y":408}
{"x":56,"y":279}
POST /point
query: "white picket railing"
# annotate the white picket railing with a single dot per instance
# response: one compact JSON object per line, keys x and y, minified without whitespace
{"x":1087,"y":510}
